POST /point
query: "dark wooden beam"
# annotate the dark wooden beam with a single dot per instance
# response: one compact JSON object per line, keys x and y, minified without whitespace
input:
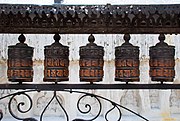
{"x":86,"y":19}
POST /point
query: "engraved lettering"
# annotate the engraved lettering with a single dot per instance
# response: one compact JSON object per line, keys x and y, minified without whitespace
{"x":26,"y":73}
{"x":59,"y":73}
{"x":22,"y":73}
{"x":53,"y":73}
{"x":66,"y":72}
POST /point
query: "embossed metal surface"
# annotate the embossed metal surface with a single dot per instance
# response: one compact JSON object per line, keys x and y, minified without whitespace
{"x":127,"y":61}
{"x":56,"y":61}
{"x":91,"y":61}
{"x":83,"y":19}
{"x":20,"y":62}
{"x":162,"y":61}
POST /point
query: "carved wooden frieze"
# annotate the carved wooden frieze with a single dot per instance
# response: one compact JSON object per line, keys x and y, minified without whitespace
{"x":77,"y":19}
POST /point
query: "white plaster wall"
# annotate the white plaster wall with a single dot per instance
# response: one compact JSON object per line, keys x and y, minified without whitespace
{"x":40,"y":2}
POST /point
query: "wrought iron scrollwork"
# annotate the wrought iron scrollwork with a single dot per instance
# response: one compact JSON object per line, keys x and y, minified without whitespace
{"x":114,"y":106}
{"x":98,"y":97}
{"x":19,"y":105}
{"x":87,"y":106}
{"x":54,"y":97}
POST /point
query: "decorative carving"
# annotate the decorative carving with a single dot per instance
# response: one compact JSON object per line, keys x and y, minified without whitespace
{"x":154,"y":99}
{"x":131,"y":99}
{"x":90,"y":19}
{"x":174,"y":101}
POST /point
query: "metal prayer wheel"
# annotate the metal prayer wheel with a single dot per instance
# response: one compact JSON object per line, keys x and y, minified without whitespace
{"x":91,"y":61}
{"x":127,"y":61}
{"x":56,"y":61}
{"x":20,"y":64}
{"x":162,"y":61}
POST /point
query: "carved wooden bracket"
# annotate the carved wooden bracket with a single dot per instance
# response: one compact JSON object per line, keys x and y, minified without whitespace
{"x":85,"y":19}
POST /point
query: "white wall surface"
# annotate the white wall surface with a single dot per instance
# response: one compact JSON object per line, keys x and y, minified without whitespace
{"x":27,"y":1}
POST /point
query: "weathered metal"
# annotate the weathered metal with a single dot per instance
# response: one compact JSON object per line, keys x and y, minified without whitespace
{"x":91,"y":61}
{"x":162,"y":61}
{"x":20,"y":62}
{"x":56,"y":61}
{"x":83,"y":19}
{"x":127,"y":61}
{"x":82,"y":86}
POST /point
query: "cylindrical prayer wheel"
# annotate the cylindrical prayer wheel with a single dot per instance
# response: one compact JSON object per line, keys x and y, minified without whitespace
{"x":127,"y":61}
{"x":56,"y":61}
{"x":20,"y":64}
{"x":91,"y":61}
{"x":162,"y":61}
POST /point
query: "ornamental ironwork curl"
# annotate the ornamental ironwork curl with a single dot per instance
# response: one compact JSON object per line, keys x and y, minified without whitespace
{"x":20,"y":105}
{"x":88,"y":106}
{"x":59,"y":103}
{"x":114,"y":104}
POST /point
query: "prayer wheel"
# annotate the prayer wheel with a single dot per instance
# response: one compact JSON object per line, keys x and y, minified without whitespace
{"x":56,"y":61}
{"x":162,"y":61}
{"x":127,"y":61}
{"x":91,"y":61}
{"x":20,"y":64}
